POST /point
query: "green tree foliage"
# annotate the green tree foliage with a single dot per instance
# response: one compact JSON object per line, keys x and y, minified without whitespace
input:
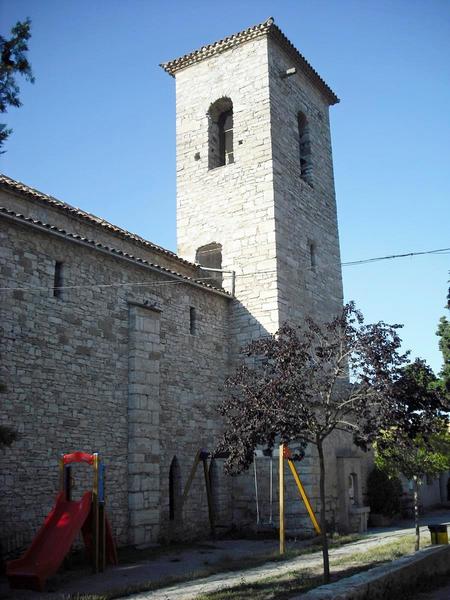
{"x":13,"y":62}
{"x":383,"y":492}
{"x":414,"y":458}
{"x":293,"y":386}
{"x":444,"y":346}
{"x":419,"y":444}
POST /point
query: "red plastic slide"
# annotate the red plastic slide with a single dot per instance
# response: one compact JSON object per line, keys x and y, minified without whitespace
{"x":52,"y":543}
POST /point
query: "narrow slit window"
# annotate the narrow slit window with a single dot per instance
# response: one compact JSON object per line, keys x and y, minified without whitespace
{"x":174,"y":490}
{"x":304,"y":148}
{"x":312,"y":256}
{"x":192,"y":321}
{"x":58,"y":280}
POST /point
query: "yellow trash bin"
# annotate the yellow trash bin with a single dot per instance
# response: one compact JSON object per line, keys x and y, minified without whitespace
{"x":439,"y":534}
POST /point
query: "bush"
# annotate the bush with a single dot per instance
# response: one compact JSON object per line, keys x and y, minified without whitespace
{"x":383,"y":493}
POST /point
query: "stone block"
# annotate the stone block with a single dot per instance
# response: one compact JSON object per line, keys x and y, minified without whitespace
{"x":139,"y":518}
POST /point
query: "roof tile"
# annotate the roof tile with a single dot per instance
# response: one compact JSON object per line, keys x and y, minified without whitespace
{"x":45,"y":226}
{"x":267,"y":27}
{"x":17,"y":186}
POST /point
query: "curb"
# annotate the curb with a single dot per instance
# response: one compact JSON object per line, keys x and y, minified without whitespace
{"x":388,"y":581}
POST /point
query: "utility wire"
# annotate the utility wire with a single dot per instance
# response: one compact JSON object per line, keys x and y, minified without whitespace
{"x":95,"y":285}
{"x":440,"y":251}
{"x":369,"y":260}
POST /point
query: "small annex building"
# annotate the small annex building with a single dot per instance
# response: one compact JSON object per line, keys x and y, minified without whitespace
{"x":113,"y":344}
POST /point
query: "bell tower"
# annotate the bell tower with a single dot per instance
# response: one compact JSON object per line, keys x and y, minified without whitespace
{"x":255,"y":187}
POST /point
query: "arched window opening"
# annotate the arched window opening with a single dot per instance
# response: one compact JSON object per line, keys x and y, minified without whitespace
{"x":304,"y":148}
{"x":174,"y":489}
{"x":220,"y":142}
{"x":210,"y":256}
{"x":353,"y":489}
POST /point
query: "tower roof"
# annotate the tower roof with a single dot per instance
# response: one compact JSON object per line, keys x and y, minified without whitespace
{"x":268,"y":28}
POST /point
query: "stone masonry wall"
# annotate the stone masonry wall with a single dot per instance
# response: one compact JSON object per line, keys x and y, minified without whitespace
{"x":143,"y":422}
{"x":40,"y":210}
{"x":233,"y":204}
{"x":265,"y":216}
{"x":305,"y":215}
{"x":75,"y":375}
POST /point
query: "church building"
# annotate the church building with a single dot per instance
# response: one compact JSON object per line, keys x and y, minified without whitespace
{"x":113,"y":344}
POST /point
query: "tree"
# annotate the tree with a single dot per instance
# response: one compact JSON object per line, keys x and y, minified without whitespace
{"x":444,"y":346}
{"x":293,"y":386}
{"x":419,"y":444}
{"x":13,"y":61}
{"x":383,"y":493}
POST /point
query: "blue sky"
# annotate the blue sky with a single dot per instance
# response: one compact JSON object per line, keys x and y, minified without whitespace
{"x":98,"y":127}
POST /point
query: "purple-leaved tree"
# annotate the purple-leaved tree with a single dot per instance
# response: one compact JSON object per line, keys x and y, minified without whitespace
{"x":303,"y":383}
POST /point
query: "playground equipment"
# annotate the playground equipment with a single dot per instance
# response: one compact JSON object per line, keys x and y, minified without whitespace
{"x":285,"y":454}
{"x":264,"y":524}
{"x":68,"y":517}
{"x":202,"y":456}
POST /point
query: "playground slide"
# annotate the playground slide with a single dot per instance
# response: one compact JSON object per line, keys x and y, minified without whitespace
{"x":51,"y":544}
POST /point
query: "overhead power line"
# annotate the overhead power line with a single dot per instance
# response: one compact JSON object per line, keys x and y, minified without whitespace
{"x":369,"y":260}
{"x":439,"y":251}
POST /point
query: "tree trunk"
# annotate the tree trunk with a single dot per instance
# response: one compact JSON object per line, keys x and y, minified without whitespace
{"x":416,"y":511}
{"x":323,"y":523}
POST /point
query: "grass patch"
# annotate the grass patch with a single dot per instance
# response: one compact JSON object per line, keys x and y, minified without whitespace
{"x":278,"y":587}
{"x":227,"y":564}
{"x":295,"y":582}
{"x":402,"y":546}
{"x":281,"y":587}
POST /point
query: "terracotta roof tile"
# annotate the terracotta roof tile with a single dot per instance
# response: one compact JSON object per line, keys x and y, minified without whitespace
{"x":72,"y":236}
{"x":17,"y":186}
{"x":267,"y":27}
